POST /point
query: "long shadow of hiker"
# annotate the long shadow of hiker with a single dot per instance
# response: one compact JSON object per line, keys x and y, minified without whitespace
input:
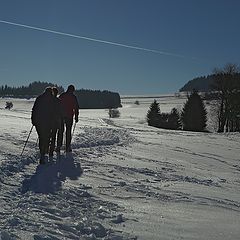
{"x":50,"y":177}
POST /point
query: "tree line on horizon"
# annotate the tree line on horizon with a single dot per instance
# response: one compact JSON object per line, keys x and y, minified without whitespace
{"x":32,"y":90}
{"x":97,"y":99}
{"x":88,"y":99}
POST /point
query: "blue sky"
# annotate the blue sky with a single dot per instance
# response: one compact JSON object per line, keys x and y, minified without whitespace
{"x":192,"y":37}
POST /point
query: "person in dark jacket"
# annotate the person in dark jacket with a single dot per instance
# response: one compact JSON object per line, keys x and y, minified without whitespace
{"x":42,"y":115}
{"x":71,"y":110}
{"x":56,"y":121}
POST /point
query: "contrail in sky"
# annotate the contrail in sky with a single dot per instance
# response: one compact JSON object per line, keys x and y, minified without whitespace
{"x":93,"y":39}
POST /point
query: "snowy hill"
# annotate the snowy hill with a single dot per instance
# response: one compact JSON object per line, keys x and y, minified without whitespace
{"x":124,"y":180}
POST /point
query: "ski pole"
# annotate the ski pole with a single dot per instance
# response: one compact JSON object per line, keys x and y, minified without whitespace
{"x":73,"y":129}
{"x":27,"y":139}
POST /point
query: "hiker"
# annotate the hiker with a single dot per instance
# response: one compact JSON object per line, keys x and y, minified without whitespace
{"x":58,"y":115}
{"x":42,"y":115}
{"x":71,"y":109}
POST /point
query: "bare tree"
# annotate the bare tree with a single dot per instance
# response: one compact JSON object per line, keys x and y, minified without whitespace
{"x":227,"y":85}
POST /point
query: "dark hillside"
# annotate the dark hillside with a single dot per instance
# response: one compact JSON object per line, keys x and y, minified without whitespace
{"x":201,"y":84}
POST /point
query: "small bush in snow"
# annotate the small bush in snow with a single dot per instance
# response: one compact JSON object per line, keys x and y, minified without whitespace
{"x":9,"y":105}
{"x":114,"y":113}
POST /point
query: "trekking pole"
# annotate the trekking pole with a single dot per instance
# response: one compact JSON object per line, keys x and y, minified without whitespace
{"x":27,"y":139}
{"x":73,"y":129}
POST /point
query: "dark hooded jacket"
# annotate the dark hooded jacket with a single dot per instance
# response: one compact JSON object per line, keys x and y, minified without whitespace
{"x":43,"y":110}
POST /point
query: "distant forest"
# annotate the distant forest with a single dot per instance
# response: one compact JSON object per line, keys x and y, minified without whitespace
{"x":32,"y":90}
{"x":88,"y":99}
{"x":201,"y":84}
{"x":97,"y":99}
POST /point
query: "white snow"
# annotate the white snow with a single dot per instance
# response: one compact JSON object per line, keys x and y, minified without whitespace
{"x":124,"y":179}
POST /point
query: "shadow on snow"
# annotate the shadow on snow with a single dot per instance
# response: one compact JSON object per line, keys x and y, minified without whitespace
{"x":49,"y":178}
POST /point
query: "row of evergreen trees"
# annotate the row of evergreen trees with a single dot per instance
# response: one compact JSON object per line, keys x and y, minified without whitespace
{"x":193,"y":116}
{"x":32,"y":90}
{"x":97,"y":99}
{"x":88,"y":99}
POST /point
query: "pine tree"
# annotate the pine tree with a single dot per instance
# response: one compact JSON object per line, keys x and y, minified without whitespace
{"x":153,"y":115}
{"x":194,"y":114}
{"x":174,"y":120}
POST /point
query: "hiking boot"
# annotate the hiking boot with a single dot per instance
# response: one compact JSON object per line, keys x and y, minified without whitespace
{"x":46,"y":150}
{"x":57,"y":149}
{"x":42,"y":159}
{"x":50,"y":153}
{"x":69,"y":149}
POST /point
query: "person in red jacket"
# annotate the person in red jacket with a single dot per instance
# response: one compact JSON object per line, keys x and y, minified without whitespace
{"x":71,"y":110}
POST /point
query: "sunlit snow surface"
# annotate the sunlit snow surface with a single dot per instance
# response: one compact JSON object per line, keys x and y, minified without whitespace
{"x":124,"y":179}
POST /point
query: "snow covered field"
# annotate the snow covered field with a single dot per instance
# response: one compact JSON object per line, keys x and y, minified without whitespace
{"x":124,"y":179}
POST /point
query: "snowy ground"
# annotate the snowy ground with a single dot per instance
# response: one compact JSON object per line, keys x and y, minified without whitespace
{"x":124,"y":179}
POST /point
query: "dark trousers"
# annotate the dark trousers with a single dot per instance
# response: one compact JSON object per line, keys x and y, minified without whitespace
{"x":44,"y":132}
{"x":56,"y":130}
{"x":68,"y":122}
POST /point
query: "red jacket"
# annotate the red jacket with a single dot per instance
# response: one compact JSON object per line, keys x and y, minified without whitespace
{"x":70,"y":105}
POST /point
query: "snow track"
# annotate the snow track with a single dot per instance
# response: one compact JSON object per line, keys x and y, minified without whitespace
{"x":48,"y":201}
